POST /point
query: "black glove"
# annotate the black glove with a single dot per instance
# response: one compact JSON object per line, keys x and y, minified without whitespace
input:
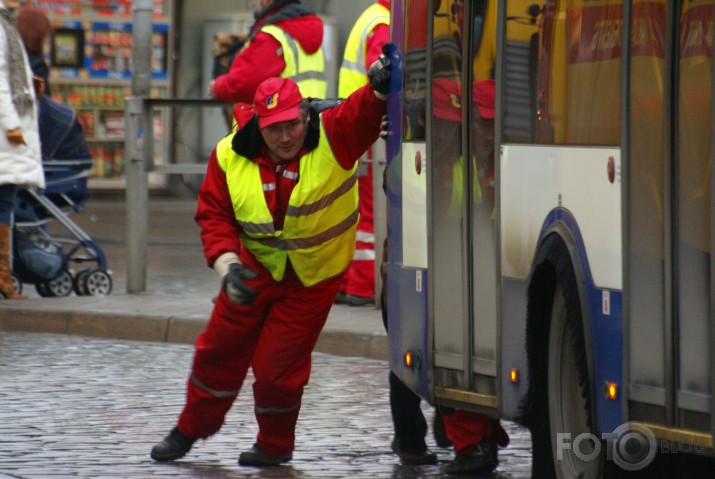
{"x":379,"y":72}
{"x":234,"y":286}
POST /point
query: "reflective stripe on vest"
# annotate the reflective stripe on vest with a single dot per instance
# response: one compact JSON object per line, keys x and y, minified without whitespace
{"x":308,"y":71}
{"x":318,"y":233}
{"x":353,"y":72}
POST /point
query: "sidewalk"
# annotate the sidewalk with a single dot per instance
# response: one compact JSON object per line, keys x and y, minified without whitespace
{"x":180,"y":286}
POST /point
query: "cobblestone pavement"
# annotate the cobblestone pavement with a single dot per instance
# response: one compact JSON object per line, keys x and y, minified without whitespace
{"x":72,"y":406}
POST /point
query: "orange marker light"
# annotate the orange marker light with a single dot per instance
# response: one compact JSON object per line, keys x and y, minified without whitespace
{"x":611,"y":391}
{"x":409,"y":360}
{"x":514,"y":375}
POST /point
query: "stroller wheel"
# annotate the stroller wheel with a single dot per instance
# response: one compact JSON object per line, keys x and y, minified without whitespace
{"x":97,"y":283}
{"x":79,"y":283}
{"x":17,"y":284}
{"x":43,"y":290}
{"x":61,"y":285}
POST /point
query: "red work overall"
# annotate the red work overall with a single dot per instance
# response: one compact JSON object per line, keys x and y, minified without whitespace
{"x":275,"y":336}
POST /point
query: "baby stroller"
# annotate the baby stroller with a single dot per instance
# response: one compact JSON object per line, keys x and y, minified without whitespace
{"x":40,"y":258}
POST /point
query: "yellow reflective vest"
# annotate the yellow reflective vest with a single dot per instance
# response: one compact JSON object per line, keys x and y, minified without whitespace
{"x":308,"y":71}
{"x":353,"y":73}
{"x":318,"y":234}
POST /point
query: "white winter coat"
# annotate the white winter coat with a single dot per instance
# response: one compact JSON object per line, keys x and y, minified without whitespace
{"x":19,"y":164}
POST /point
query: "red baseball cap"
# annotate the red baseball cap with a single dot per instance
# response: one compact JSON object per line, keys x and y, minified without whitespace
{"x":276,"y":100}
{"x":447,"y":99}
{"x":483,"y":97}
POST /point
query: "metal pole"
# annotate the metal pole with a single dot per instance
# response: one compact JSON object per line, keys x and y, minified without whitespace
{"x":137,"y":190}
{"x":141,"y":45}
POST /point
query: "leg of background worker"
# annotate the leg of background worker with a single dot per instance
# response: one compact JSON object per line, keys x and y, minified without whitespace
{"x":221,"y":360}
{"x":281,"y":363}
{"x":407,"y":417}
{"x":359,"y":286}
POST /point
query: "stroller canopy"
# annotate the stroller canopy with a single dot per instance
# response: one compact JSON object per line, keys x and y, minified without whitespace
{"x":61,"y":134}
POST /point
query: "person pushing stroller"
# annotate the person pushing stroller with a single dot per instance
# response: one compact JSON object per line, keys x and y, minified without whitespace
{"x":20,"y":154}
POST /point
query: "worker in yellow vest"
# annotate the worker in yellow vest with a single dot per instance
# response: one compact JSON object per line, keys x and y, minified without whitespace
{"x":370,"y":32}
{"x":285,"y":41}
{"x":278,"y":211}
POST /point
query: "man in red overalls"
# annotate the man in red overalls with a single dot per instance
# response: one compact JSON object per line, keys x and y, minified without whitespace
{"x":278,"y":213}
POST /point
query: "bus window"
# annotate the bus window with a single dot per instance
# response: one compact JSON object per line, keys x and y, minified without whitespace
{"x":483,"y":28}
{"x":447,"y":159}
{"x":693,"y":146}
{"x":447,"y":39}
{"x":646,"y":258}
{"x":520,"y":59}
{"x":415,"y":70}
{"x":483,"y":230}
{"x":578,"y":91}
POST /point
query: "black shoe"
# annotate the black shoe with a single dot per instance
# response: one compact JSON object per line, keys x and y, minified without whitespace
{"x":480,"y":460}
{"x":340,"y":298}
{"x":254,"y":457}
{"x":414,"y":458}
{"x":172,"y":447}
{"x":353,"y":300}
{"x":440,"y":435}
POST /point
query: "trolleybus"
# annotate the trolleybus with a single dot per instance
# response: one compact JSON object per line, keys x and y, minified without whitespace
{"x":564,"y":277}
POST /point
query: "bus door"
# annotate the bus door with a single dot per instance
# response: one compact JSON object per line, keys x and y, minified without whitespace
{"x":442,"y":279}
{"x":440,"y":205}
{"x":463,"y":262}
{"x":669,"y":305}
{"x":448,"y":265}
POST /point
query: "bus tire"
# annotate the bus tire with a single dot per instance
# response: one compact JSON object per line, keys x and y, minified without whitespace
{"x":576,"y":451}
{"x":553,"y":309}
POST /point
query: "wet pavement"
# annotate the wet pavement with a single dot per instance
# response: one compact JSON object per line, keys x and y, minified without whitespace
{"x":72,"y":406}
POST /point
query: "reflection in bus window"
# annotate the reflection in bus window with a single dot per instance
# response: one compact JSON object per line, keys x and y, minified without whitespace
{"x":693,"y":140}
{"x":447,"y":157}
{"x":446,"y":98}
{"x":484,"y":36}
{"x":518,"y":97}
{"x":446,"y":131}
{"x":481,"y":132}
{"x":578,"y":88}
{"x":447,"y":44}
{"x":646,"y":261}
{"x":415,"y":70}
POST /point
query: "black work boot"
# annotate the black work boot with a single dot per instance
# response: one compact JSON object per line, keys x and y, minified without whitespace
{"x":482,"y":459}
{"x":254,"y":457}
{"x":172,"y":447}
{"x":408,"y":458}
